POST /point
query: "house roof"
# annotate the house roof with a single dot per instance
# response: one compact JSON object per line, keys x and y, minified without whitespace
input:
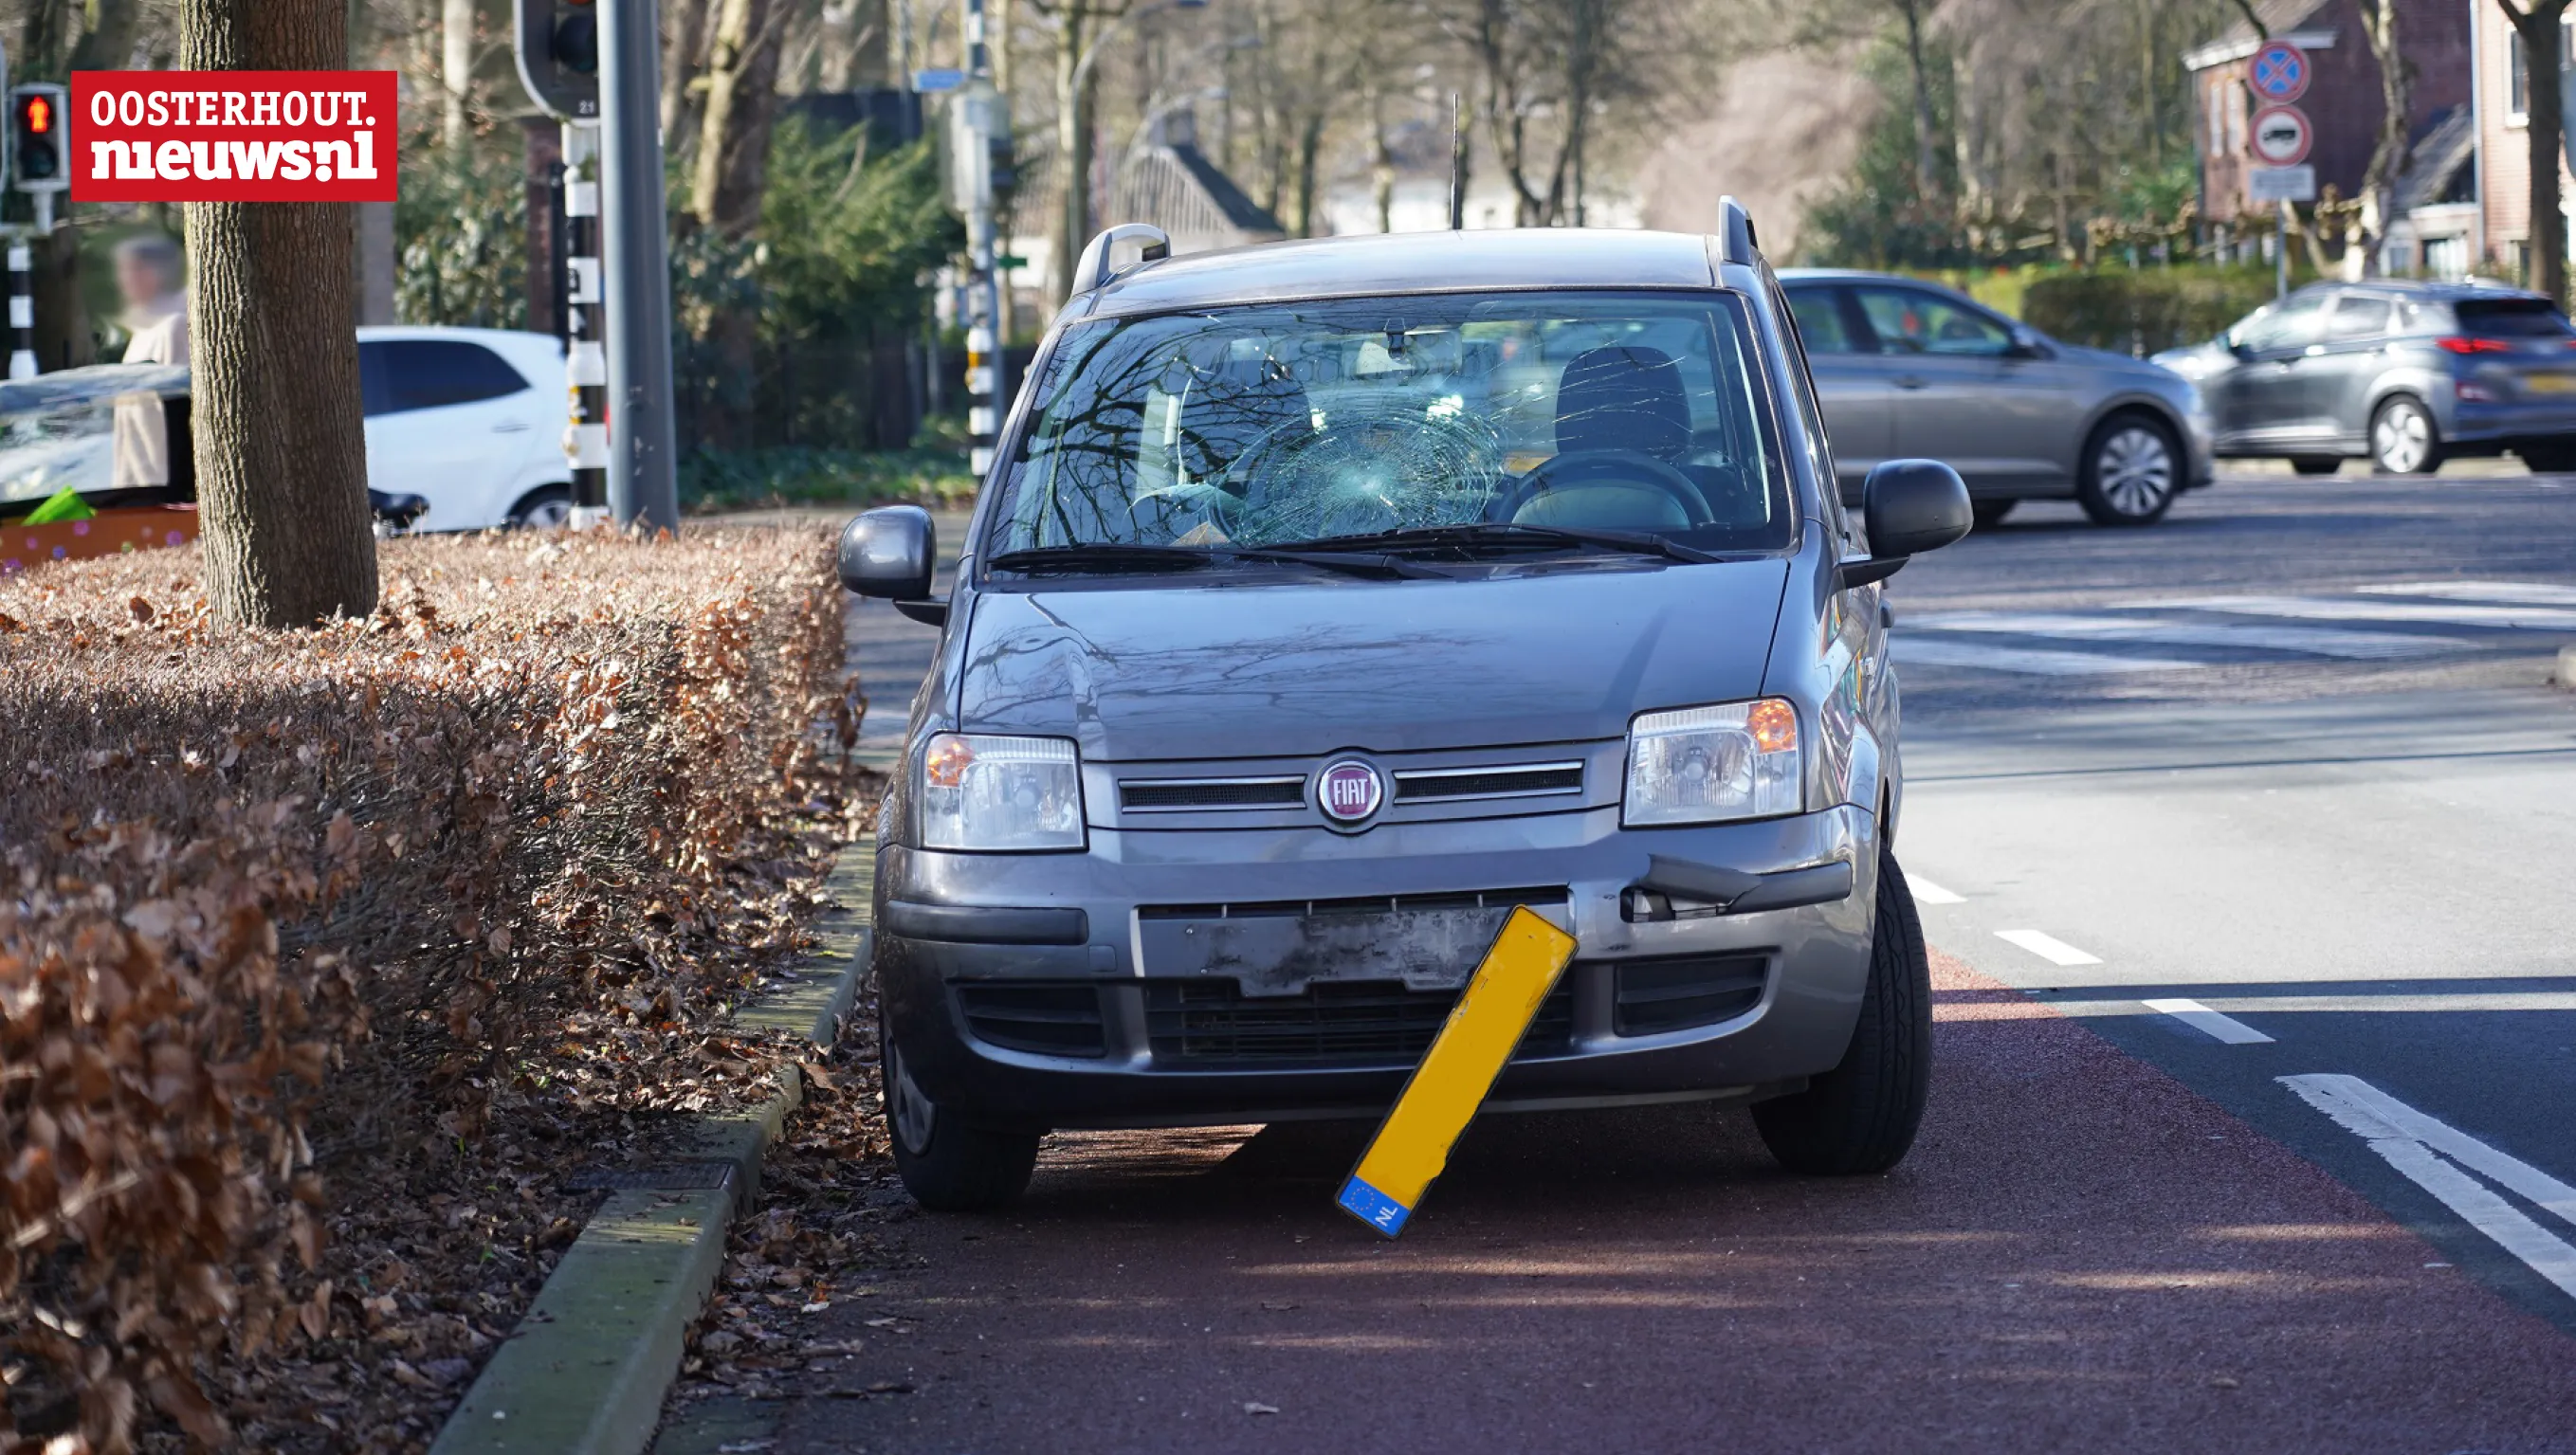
{"x":2445,"y":151}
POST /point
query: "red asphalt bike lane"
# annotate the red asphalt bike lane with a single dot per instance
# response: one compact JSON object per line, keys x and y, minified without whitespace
{"x":2079,"y":1254}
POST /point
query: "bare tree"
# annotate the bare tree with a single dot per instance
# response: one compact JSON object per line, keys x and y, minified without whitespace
{"x":2387,"y":160}
{"x":2537,"y":22}
{"x":281,"y":453}
{"x":1079,"y":28}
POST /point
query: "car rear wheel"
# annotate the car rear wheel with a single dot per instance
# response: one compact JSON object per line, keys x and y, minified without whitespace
{"x":2132,"y":471}
{"x":2403,"y":440}
{"x":546,"y":509}
{"x":2316,"y":464}
{"x":1862,"y":1115}
{"x":945,"y":1164}
{"x":1990,"y":512}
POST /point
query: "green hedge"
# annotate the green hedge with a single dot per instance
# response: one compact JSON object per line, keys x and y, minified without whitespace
{"x":2145,"y":310}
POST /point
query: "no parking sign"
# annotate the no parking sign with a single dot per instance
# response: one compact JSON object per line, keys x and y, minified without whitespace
{"x":2278,"y":72}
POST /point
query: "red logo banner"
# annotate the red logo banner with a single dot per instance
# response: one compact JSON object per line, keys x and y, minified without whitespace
{"x":233,"y":136}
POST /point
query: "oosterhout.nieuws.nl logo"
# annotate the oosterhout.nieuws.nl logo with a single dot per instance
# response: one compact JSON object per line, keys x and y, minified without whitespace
{"x":233,"y":136}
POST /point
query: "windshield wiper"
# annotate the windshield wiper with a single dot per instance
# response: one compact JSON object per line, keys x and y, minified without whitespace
{"x":1107,"y":557}
{"x":1512,"y":536}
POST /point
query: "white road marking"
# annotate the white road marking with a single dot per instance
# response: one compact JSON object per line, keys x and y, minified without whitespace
{"x":1927,"y":892}
{"x":2517,"y":593}
{"x":2328,"y":608}
{"x":2047,"y":947}
{"x":2320,"y":641}
{"x":2032,"y":661}
{"x":2408,"y":1140}
{"x":2224,"y":1028}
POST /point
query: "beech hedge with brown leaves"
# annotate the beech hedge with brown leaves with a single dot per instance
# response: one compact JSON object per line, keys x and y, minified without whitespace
{"x":371,"y":887}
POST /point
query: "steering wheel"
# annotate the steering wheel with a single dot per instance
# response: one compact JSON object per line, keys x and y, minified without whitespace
{"x":1629,"y":468}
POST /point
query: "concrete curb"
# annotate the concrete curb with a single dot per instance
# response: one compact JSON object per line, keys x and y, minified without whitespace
{"x":589,"y":1366}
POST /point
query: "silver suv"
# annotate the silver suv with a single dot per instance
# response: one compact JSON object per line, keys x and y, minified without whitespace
{"x":1328,"y":600}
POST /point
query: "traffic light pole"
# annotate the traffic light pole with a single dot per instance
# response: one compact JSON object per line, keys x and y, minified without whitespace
{"x":586,"y":448}
{"x":643,"y":475}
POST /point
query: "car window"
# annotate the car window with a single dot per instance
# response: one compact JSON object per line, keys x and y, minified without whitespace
{"x":1821,"y":325}
{"x":2511,"y":318}
{"x":1909,"y":321}
{"x":399,"y":375}
{"x":1811,"y":422}
{"x":2358,"y":317}
{"x":1279,"y":423}
{"x":2292,"y":323}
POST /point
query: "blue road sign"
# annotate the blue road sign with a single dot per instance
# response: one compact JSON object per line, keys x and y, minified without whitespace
{"x":2278,"y":72}
{"x":942,"y":80}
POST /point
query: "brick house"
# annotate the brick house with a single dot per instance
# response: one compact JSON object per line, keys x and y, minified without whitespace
{"x":2504,"y":142}
{"x":2342,"y":100}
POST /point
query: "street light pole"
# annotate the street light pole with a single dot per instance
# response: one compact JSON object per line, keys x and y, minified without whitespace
{"x":984,"y":122}
{"x":643,"y":475}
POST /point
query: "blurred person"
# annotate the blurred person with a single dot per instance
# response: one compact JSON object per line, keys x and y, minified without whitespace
{"x":150,"y":277}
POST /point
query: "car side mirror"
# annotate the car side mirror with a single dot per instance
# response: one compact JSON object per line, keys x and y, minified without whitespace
{"x":890,"y":554}
{"x":2237,"y":346}
{"x":1909,"y":506}
{"x":2029,"y":343}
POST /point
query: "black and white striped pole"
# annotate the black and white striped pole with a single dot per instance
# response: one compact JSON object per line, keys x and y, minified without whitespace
{"x":22,"y":309}
{"x":981,"y":132}
{"x":586,"y":351}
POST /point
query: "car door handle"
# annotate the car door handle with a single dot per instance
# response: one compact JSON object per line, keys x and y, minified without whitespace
{"x":1910,"y":381}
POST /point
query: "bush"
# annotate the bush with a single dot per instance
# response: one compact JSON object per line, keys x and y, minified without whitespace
{"x":346,"y":904}
{"x":794,"y":474}
{"x":461,"y":233}
{"x":2146,"y":310}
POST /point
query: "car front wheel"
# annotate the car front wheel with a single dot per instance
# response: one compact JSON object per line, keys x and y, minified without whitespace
{"x":947,"y":1165}
{"x":2549,"y":459}
{"x":1862,"y":1115}
{"x":2132,"y":471}
{"x":2403,"y":440}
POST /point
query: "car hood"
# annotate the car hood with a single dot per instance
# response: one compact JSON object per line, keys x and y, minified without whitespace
{"x":1281,"y":670}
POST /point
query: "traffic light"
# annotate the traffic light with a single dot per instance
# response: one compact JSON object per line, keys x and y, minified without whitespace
{"x":39,"y":138}
{"x":559,"y":55}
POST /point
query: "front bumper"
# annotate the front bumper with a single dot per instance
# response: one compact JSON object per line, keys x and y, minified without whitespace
{"x":1813,"y":964}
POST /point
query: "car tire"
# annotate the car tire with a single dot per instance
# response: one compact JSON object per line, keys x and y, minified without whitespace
{"x":546,"y":508}
{"x":2131,"y":473}
{"x":2316,"y":464}
{"x":1861,"y":1116}
{"x":2403,"y":439}
{"x":1990,"y":512}
{"x":947,"y":1165}
{"x":2550,"y":459}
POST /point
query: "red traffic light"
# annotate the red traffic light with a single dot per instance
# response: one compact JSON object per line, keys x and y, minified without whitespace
{"x":36,"y":114}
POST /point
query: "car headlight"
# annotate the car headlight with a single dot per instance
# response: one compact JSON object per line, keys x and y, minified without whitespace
{"x":989,"y":794}
{"x":1712,"y":764}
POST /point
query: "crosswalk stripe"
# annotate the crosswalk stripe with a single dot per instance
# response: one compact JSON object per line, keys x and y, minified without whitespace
{"x":2312,"y":640}
{"x":2513,"y":593}
{"x":1932,"y":652}
{"x":2327,"y":608}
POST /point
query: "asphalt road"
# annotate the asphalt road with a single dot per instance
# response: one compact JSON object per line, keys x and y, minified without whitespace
{"x":2286,"y":767}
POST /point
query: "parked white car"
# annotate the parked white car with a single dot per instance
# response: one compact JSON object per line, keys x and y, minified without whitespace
{"x":470,"y":420}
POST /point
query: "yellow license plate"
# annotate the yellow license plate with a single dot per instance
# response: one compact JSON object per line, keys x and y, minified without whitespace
{"x":1491,"y":1015}
{"x":2549,"y":383}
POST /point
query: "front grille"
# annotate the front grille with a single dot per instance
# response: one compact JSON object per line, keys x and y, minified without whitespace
{"x":1544,"y":897}
{"x":1168,"y":795}
{"x":1042,"y":1019}
{"x":1686,"y":991}
{"x":1520,"y":781}
{"x":1210,"y":1023}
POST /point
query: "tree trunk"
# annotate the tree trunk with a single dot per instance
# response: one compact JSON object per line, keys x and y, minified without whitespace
{"x":2388,"y":159}
{"x":455,"y":68}
{"x":2547,"y":246}
{"x":1926,"y":173}
{"x":1073,"y":88}
{"x":1381,"y":160}
{"x":108,"y":44}
{"x":741,"y":108}
{"x":281,"y":452}
{"x":684,"y":51}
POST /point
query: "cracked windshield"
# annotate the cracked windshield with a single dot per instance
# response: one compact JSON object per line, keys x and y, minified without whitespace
{"x":1272,"y":426}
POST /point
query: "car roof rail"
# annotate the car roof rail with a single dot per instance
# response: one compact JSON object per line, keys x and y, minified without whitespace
{"x":1736,"y":242}
{"x":1094,"y":271}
